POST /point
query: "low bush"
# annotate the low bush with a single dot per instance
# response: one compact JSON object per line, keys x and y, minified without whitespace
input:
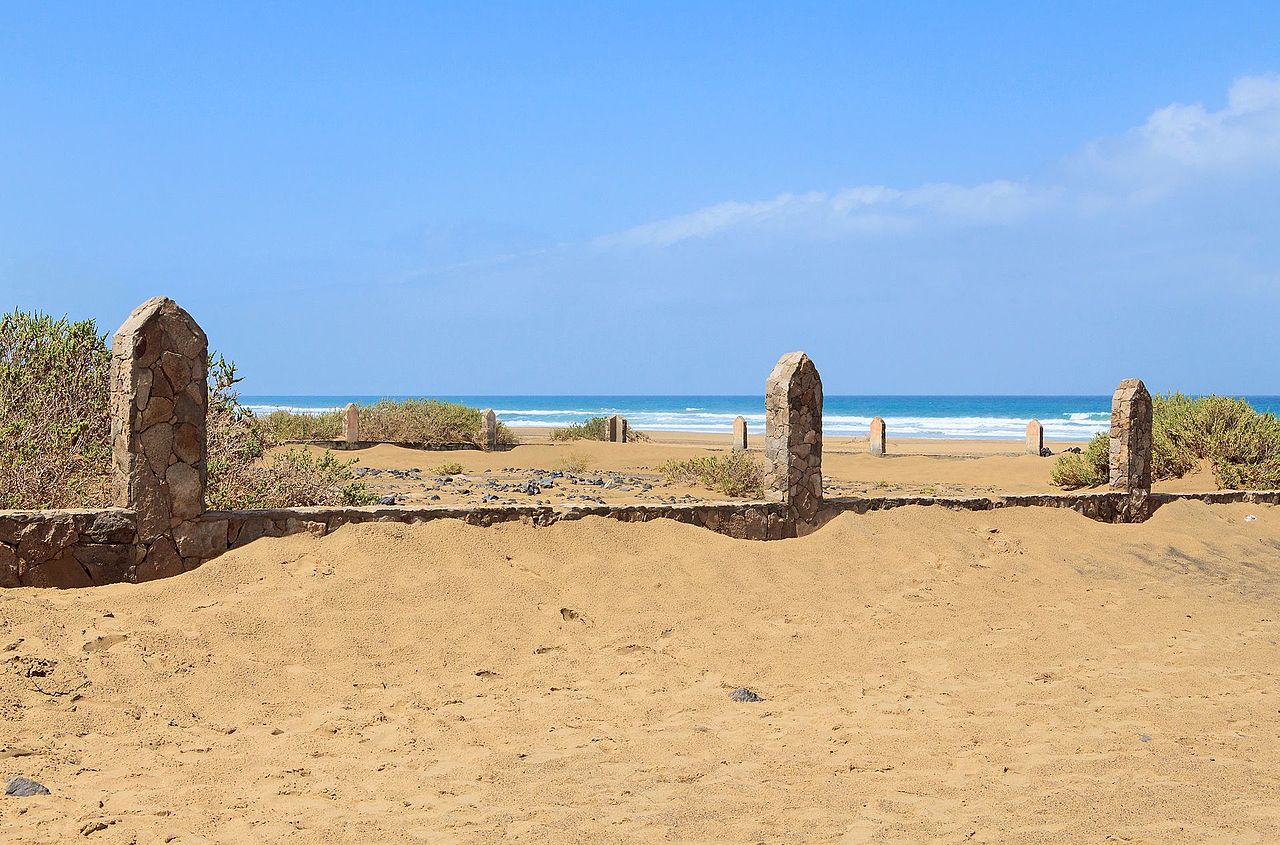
{"x":243,"y":476}
{"x":734,"y":474}
{"x":1074,"y":470}
{"x":55,"y":449}
{"x":1241,"y":444}
{"x":291,"y":477}
{"x":284,"y":426}
{"x":447,"y":468}
{"x":575,"y":462}
{"x":596,"y":428}
{"x":430,"y":422}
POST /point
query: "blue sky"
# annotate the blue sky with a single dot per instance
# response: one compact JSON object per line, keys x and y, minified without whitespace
{"x":556,"y":198}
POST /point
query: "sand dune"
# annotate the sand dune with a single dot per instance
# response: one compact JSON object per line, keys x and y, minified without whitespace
{"x":1017,"y":676}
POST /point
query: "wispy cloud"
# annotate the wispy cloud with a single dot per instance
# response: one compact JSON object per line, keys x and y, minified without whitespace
{"x":1175,"y":144}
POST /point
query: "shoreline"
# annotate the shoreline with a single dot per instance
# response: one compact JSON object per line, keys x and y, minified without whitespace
{"x":832,"y":444}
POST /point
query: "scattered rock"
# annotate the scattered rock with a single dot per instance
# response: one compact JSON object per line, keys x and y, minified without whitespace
{"x":744,"y":694}
{"x":24,"y":788}
{"x":387,"y":500}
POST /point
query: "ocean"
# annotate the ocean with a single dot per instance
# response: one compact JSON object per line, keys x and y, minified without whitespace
{"x":960,"y":417}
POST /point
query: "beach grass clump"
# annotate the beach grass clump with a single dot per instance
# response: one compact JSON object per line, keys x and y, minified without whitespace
{"x":1091,"y":468}
{"x":595,"y":428}
{"x":289,"y":478}
{"x":575,"y":462}
{"x":55,"y":447}
{"x":426,"y":422}
{"x":733,"y":474}
{"x":1241,"y":445}
{"x":447,"y":468}
{"x":285,"y":426}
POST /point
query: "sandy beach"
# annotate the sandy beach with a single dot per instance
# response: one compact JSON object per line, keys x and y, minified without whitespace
{"x":630,"y":470}
{"x":928,"y":676}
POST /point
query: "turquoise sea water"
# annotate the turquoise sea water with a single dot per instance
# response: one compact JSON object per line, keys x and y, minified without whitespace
{"x":985,"y":417}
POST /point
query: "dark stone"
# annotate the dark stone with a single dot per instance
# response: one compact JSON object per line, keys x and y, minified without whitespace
{"x":744,"y":694}
{"x":24,"y":788}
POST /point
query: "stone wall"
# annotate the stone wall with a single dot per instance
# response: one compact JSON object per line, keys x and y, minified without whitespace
{"x":84,"y":548}
{"x":67,"y":548}
{"x":1131,"y":446}
{"x":793,"y":437}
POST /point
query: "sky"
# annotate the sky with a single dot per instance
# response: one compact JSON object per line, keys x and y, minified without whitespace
{"x":658,"y":198}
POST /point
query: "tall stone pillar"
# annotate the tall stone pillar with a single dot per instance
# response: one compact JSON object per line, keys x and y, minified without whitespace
{"x":1035,"y":438}
{"x":739,"y":434}
{"x":793,"y":436}
{"x":876,"y":441}
{"x":616,"y":429}
{"x":490,"y":429}
{"x":1131,"y":447}
{"x":351,"y":425}
{"x":159,"y":398}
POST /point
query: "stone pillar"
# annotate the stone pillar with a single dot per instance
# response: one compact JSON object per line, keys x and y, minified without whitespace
{"x":793,"y":437}
{"x":615,"y":428}
{"x":624,"y":431}
{"x":876,"y":440}
{"x":159,"y":397}
{"x":739,"y":434}
{"x":351,"y":425}
{"x":490,"y":429}
{"x":1131,"y":447}
{"x":1035,"y":438}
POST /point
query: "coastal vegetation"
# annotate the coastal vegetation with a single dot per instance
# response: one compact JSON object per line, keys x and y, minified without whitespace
{"x":1241,"y":445}
{"x":55,"y":430}
{"x":429,"y":422}
{"x":595,"y":428}
{"x":55,"y":447}
{"x":733,"y":474}
{"x":447,"y":468}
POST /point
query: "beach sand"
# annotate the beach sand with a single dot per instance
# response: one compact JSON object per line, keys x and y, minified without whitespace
{"x":1019,"y":676}
{"x":911,"y":467}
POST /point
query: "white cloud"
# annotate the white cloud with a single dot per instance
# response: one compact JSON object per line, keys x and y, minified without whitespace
{"x":1176,"y":144}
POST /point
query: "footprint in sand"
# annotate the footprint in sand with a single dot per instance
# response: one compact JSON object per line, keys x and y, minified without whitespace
{"x":103,"y":642}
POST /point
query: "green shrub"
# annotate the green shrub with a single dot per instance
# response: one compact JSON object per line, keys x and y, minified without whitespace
{"x":447,"y":468}
{"x":430,"y":422}
{"x":1242,"y":445}
{"x":596,"y":428}
{"x":1089,"y":469}
{"x":286,"y":425}
{"x":55,"y":447}
{"x":292,"y":477}
{"x":243,"y":477}
{"x":734,"y":474}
